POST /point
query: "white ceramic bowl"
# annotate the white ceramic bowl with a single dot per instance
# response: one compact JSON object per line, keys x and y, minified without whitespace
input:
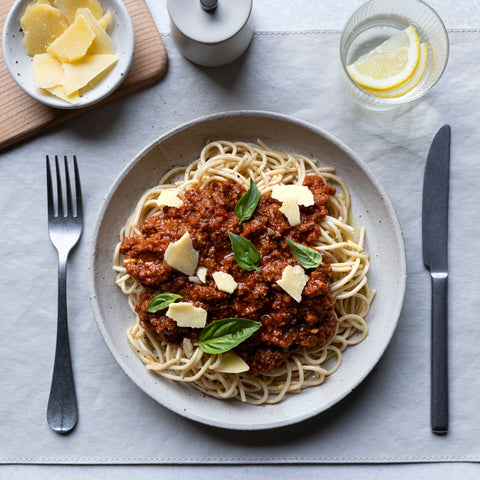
{"x":371,"y":207}
{"x":20,"y":64}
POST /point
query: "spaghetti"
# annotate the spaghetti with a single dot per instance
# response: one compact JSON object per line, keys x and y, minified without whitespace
{"x":341,"y":243}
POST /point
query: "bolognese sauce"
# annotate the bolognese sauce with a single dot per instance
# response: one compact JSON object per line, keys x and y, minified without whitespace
{"x":207,"y":214}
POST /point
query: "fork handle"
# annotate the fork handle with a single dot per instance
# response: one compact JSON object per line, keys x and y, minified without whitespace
{"x":62,"y":412}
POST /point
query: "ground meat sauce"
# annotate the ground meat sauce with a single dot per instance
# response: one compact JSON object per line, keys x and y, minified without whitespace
{"x":208,"y":215}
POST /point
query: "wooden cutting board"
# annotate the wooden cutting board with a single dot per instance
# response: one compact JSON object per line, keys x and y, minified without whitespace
{"x":21,"y":116}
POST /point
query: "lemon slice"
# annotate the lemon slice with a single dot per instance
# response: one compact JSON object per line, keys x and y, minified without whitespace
{"x":390,"y":64}
{"x":411,"y":83}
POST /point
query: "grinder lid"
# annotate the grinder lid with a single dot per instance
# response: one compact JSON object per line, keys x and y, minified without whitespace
{"x":209,"y":21}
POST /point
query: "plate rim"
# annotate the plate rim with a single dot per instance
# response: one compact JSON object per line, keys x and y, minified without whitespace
{"x":267,"y":115}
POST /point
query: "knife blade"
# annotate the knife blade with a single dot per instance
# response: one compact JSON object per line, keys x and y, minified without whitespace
{"x":435,"y":257}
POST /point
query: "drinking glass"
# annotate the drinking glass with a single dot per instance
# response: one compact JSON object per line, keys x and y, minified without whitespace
{"x":376,"y":21}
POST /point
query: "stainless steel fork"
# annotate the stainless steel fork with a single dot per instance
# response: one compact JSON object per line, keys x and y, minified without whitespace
{"x":64,"y":227}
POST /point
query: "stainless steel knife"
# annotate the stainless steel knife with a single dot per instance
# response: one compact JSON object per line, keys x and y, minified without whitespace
{"x":435,"y":257}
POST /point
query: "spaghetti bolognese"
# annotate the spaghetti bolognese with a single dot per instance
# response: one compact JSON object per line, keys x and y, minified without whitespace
{"x":299,"y":343}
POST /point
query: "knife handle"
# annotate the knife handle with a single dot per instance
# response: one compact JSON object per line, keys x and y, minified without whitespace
{"x":439,"y":373}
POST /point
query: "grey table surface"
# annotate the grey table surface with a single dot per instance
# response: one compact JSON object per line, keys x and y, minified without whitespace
{"x":269,"y":15}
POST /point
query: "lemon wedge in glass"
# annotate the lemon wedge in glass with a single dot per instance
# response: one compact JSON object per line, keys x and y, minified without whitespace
{"x":390,"y":64}
{"x":410,"y":84}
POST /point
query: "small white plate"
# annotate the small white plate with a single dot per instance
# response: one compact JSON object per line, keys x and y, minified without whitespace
{"x":371,"y":207}
{"x":20,"y":64}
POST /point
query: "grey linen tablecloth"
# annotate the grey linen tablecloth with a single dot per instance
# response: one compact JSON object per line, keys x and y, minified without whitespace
{"x":386,"y":419}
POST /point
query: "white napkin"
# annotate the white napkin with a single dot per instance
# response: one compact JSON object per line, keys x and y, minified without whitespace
{"x":386,"y":419}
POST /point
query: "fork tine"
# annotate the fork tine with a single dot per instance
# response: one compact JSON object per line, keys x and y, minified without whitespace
{"x":51,"y":210}
{"x":69,"y":210}
{"x":78,"y":189}
{"x":60,"y":210}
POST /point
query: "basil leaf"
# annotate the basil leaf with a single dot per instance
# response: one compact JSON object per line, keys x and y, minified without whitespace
{"x":307,"y":257}
{"x":222,"y":335}
{"x":248,"y":203}
{"x":246,"y":254}
{"x":161,"y":301}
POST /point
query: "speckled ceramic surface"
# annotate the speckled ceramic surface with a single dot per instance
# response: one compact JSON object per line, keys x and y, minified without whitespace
{"x":20,"y":64}
{"x":371,"y":208}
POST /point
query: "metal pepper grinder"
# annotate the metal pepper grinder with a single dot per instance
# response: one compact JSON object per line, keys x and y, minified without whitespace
{"x":211,"y":32}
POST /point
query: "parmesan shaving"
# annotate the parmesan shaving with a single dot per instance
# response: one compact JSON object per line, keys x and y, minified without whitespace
{"x":293,"y":281}
{"x":181,"y":255}
{"x":187,"y":315}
